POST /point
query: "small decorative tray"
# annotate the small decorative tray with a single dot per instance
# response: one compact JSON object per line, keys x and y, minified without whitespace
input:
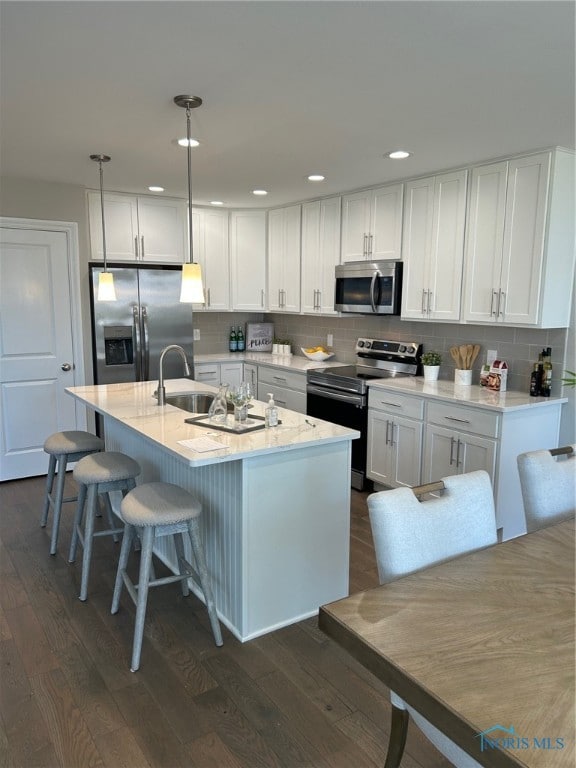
{"x":235,"y":427}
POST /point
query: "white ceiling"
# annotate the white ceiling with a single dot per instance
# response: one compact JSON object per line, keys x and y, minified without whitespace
{"x":289,"y":88}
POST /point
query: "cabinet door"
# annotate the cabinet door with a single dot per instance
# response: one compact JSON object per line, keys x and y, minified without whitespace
{"x":284,"y":227}
{"x":231,"y":374}
{"x":440,"y":451}
{"x":121,"y":217}
{"x":216,"y":260}
{"x":446,"y":258}
{"x":417,"y":247}
{"x":162,"y":229}
{"x":475,"y":453}
{"x":379,"y":455}
{"x":356,"y":211}
{"x":524,"y":232}
{"x":386,"y":223}
{"x":248,"y":260}
{"x":406,"y":450}
{"x":484,"y":240}
{"x":208,"y":373}
{"x":320,"y":255}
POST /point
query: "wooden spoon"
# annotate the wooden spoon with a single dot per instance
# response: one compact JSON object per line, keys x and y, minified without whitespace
{"x":455,"y":356}
{"x":463,"y":353}
{"x":475,"y":353}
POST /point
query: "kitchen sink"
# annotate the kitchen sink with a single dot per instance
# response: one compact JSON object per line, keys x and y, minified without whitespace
{"x":193,"y":402}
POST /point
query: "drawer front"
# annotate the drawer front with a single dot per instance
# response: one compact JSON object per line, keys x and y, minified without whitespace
{"x":394,"y":402}
{"x":276,"y":377}
{"x":208,"y":372}
{"x":474,"y":420}
{"x":284,"y":398}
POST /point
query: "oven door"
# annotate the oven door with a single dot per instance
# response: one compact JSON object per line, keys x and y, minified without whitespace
{"x":347,"y":410}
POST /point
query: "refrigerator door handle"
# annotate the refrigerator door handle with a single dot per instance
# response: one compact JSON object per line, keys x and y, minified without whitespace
{"x":138,"y":342}
{"x":145,"y":345}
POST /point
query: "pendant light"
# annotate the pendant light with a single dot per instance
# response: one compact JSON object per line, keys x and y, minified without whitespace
{"x":106,"y":290}
{"x":192,"y":290}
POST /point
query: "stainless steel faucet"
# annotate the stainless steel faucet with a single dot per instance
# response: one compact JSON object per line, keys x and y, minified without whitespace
{"x":161,"y":393}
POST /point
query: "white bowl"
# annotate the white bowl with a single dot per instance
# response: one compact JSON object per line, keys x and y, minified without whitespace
{"x":319,"y":357}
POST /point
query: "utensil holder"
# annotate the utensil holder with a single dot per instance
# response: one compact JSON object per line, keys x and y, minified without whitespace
{"x":462,"y":377}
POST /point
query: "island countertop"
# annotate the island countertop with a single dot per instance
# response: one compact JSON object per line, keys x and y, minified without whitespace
{"x":134,"y":405}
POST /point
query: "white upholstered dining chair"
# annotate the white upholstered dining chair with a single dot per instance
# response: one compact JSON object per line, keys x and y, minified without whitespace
{"x":410,"y":535}
{"x":548,"y":482}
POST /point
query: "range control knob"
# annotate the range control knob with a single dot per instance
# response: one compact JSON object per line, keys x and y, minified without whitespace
{"x":367,"y":344}
{"x":401,"y":348}
{"x":360,"y":343}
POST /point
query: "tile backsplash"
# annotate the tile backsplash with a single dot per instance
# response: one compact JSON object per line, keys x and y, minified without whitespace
{"x":518,"y":346}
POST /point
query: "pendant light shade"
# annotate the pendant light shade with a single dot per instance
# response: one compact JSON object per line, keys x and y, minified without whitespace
{"x":106,"y":290}
{"x":192,"y":290}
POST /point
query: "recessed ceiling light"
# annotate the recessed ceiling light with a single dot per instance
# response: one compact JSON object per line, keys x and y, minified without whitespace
{"x":156,"y":189}
{"x":216,"y":202}
{"x":259,"y":192}
{"x":316,"y":177}
{"x":398,"y":154}
{"x":184,"y":142}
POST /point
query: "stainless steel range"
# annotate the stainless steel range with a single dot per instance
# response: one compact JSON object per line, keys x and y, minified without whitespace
{"x":340,"y":394}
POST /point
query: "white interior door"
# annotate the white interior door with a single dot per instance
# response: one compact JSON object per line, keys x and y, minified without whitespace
{"x":36,"y":347}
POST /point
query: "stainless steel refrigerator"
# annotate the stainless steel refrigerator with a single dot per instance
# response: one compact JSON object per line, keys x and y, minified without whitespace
{"x":129,"y":334}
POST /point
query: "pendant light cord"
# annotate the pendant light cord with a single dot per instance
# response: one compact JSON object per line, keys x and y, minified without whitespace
{"x":189,"y":154}
{"x":102,"y":210}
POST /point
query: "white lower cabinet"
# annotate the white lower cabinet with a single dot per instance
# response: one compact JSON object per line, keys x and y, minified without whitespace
{"x":287,"y":387}
{"x":219,"y":373}
{"x":415,"y":439}
{"x":394,"y":440}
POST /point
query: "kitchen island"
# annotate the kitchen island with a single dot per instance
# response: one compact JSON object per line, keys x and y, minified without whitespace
{"x":276,"y":502}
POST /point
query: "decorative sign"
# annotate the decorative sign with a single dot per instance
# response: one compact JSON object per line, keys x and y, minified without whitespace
{"x":259,"y":337}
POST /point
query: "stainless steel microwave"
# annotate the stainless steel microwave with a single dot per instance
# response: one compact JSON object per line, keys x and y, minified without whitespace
{"x":369,"y":287}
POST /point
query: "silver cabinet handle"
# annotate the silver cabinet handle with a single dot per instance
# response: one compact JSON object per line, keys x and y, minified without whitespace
{"x":423,"y":301}
{"x":282,"y":402}
{"x":502,"y":303}
{"x":458,"y":453}
{"x":497,"y":313}
{"x":428,"y":303}
{"x":142,"y":248}
{"x":279,"y":378}
{"x":136,"y":251}
{"x":319,"y":299}
{"x":451,"y":451}
{"x":492,"y":312}
{"x":365,"y":247}
{"x":391,"y":434}
{"x":66,"y":367}
{"x":387,"y":427}
{"x":262,"y":297}
{"x":453,"y":418}
{"x":394,"y":405}
{"x":370,"y":239}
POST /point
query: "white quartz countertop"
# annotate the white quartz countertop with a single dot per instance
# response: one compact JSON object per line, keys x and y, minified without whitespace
{"x":474,"y":395}
{"x":288,"y":362}
{"x":134,"y":405}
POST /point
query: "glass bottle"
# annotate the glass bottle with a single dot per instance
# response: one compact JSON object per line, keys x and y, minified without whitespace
{"x":219,"y":407}
{"x":233,"y":340}
{"x":240,"y":339}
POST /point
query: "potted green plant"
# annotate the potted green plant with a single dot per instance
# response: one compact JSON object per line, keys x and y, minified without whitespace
{"x":431,"y":363}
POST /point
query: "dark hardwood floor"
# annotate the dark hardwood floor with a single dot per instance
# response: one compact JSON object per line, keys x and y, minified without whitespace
{"x":67,"y":697}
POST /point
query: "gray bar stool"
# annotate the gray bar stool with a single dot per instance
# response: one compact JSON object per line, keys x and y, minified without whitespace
{"x":96,"y":475}
{"x":151,"y":511}
{"x":64,"y":448}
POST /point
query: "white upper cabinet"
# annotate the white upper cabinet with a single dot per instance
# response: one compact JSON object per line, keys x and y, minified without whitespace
{"x":433,"y":247}
{"x":138,"y":228}
{"x":284,"y":232}
{"x":520,"y":241}
{"x":211,"y":251}
{"x":320,"y":254}
{"x":372,"y":224}
{"x":248,"y":260}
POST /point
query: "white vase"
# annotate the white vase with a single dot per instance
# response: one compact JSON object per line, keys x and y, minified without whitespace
{"x":431,"y":372}
{"x":462,"y":377}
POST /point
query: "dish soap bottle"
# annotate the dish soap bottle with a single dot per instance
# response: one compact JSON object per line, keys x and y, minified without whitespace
{"x":271,"y":412}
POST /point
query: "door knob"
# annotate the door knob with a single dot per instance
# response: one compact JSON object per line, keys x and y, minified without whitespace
{"x":66,"y":367}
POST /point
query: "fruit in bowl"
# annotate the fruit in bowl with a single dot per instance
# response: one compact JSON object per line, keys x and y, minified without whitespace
{"x":319,"y":353}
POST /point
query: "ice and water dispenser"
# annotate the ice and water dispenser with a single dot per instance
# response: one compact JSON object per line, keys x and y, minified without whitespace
{"x":118,"y":345}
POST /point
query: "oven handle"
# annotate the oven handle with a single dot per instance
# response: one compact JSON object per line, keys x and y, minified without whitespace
{"x":358,"y":400}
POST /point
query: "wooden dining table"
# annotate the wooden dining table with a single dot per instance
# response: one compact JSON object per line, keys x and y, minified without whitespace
{"x":482,"y":646}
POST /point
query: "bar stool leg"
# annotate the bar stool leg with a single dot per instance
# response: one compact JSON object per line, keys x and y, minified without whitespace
{"x":179,"y":546}
{"x":198,"y":551}
{"x":143,"y":582}
{"x":49,"y":485}
{"x":91,"y":509}
{"x":77,"y":523}
{"x":60,"y":480}
{"x":129,"y":534}
{"x":110,"y":515}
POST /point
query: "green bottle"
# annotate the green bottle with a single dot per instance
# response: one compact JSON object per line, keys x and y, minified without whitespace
{"x":233,"y":340}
